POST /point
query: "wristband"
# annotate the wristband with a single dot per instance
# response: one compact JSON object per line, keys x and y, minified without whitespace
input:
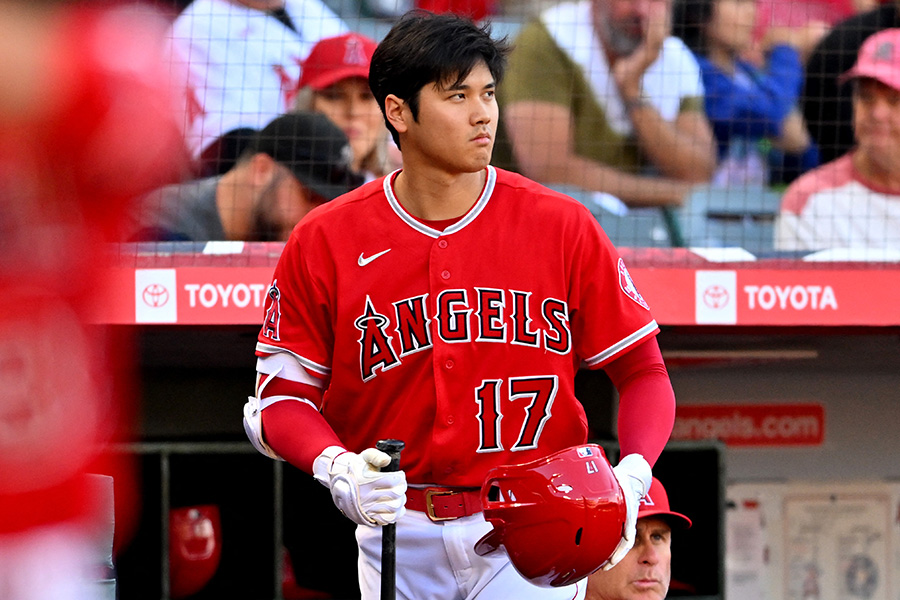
{"x":635,"y":103}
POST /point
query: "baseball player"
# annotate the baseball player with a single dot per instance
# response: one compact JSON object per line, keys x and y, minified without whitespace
{"x":448,"y":304}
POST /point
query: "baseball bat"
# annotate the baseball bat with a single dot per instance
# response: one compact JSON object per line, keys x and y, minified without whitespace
{"x":389,"y":532}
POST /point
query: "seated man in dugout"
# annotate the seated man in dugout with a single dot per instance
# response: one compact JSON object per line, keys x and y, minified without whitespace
{"x":854,"y":201}
{"x":601,"y":96}
{"x":646,"y":571}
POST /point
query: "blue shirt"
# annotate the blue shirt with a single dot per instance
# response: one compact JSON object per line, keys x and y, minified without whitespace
{"x":748,"y":106}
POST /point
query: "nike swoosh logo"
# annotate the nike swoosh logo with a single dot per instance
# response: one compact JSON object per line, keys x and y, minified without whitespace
{"x":363,"y":260}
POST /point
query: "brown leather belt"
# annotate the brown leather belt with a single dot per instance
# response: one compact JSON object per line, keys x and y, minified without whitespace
{"x":444,"y":504}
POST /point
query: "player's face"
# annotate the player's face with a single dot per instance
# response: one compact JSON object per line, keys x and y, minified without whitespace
{"x":280,"y":205}
{"x":645,"y":571}
{"x":350,"y":105}
{"x":876,"y":122}
{"x":456,"y":125}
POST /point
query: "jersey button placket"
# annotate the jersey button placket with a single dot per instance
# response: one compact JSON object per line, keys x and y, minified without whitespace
{"x":442,"y":265}
{"x":442,"y":243}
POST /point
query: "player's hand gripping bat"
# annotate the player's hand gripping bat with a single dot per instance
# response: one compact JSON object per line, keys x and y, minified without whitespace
{"x":360,"y":487}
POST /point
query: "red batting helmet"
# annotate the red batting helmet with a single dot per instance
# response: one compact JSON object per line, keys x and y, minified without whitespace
{"x":195,"y":547}
{"x":559,"y":517}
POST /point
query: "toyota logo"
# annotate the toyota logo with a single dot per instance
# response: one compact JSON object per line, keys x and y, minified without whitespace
{"x":715,"y":296}
{"x":155,"y":295}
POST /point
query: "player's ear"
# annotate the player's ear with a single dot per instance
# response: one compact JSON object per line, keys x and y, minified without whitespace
{"x":397,"y":113}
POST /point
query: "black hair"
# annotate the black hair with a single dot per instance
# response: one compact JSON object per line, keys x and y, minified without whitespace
{"x":689,"y":21}
{"x":425,"y":48}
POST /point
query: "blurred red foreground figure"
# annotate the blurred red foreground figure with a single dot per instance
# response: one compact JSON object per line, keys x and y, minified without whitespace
{"x":86,"y":123}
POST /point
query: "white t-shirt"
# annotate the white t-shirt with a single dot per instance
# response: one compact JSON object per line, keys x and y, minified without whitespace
{"x":236,"y":64}
{"x":832,"y":207}
{"x":673,"y":76}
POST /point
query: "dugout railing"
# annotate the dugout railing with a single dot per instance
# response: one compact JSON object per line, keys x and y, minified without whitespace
{"x":143,"y":567}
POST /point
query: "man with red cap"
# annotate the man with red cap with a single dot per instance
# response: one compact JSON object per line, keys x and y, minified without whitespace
{"x":854,"y":201}
{"x":646,"y":570}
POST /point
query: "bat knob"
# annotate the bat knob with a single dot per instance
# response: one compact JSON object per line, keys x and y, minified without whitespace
{"x":392,"y":448}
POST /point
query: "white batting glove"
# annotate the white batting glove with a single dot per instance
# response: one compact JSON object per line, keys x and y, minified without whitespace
{"x":635,"y":477}
{"x":363,"y":493}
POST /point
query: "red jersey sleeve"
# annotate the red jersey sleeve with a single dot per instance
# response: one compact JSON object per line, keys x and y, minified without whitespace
{"x":646,"y":400}
{"x":298,"y":314}
{"x":281,"y":423}
{"x":608,"y":313}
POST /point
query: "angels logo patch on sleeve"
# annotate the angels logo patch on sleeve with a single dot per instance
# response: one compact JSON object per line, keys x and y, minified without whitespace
{"x":272,"y":323}
{"x":627,"y":285}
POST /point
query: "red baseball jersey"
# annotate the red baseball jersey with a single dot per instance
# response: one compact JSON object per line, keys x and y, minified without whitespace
{"x":463,"y":343}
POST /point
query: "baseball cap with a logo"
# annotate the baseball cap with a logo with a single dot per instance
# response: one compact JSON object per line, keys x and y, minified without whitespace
{"x":656,"y":504}
{"x":879,"y":59}
{"x":314,"y":149}
{"x":336,"y":58}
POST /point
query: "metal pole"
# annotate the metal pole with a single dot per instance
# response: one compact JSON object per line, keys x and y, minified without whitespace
{"x":164,"y":473}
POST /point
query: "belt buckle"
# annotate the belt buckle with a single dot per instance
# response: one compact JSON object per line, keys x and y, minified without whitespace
{"x":429,"y":505}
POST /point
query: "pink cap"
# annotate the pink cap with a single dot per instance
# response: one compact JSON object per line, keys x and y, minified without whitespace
{"x":879,"y":58}
{"x":336,"y":58}
{"x":656,"y":504}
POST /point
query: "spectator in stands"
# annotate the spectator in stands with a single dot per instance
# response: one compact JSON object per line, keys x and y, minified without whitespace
{"x":240,"y":59}
{"x":646,"y":570}
{"x":294,"y":164}
{"x":335,"y":82}
{"x":752,"y":110}
{"x":854,"y":201}
{"x":598,"y":94}
{"x":827,"y":107}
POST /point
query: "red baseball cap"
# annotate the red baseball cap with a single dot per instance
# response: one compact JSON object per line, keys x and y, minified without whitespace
{"x":656,"y":504}
{"x":335,"y":58}
{"x":879,"y":59}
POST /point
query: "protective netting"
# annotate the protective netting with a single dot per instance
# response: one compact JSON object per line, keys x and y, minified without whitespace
{"x":697,"y":132}
{"x":687,"y":123}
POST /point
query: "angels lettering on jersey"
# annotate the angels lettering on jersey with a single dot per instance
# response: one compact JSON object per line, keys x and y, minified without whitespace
{"x":483,"y":315}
